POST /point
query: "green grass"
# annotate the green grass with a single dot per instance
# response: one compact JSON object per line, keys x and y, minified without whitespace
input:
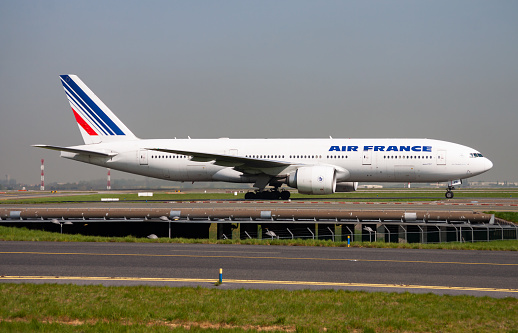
{"x":508,"y":216}
{"x":24,"y":234}
{"x":30,"y":307}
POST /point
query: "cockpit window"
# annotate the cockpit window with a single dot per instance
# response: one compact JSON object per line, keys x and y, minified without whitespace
{"x":473,"y":155}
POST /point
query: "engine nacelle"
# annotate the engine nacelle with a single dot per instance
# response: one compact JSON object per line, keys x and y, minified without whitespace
{"x":314,"y":180}
{"x":346,"y":186}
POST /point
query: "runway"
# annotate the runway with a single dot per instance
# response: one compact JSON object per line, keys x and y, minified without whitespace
{"x":479,"y":273}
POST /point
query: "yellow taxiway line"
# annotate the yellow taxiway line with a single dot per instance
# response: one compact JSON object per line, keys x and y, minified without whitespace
{"x":237,"y":281}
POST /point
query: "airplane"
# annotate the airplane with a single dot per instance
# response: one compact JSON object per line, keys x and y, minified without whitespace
{"x":312,"y":166}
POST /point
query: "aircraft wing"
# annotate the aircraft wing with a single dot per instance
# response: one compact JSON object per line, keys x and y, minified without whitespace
{"x":237,"y":162}
{"x":77,"y":151}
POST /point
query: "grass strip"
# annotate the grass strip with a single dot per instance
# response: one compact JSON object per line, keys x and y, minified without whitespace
{"x":508,"y":216}
{"x":24,"y":234}
{"x":49,"y":307}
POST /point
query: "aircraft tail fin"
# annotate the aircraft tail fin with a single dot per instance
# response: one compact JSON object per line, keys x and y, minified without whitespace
{"x":96,"y":121}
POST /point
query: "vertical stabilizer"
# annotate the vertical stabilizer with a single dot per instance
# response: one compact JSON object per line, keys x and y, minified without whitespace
{"x":96,"y":121}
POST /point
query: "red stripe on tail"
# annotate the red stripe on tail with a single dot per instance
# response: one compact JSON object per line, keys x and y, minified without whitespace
{"x":83,"y":124}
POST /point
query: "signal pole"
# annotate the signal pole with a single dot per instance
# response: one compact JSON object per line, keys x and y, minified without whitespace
{"x":42,"y":187}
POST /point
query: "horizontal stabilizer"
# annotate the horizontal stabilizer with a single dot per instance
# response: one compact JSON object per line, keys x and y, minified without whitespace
{"x":77,"y":151}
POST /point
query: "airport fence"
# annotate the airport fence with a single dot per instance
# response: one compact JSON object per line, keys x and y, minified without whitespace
{"x":371,"y":232}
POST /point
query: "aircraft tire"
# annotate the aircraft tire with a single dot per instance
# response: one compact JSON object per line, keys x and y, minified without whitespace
{"x":275,"y":195}
{"x":449,"y":195}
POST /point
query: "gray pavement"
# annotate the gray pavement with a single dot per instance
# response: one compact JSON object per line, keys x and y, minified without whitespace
{"x":480,"y":273}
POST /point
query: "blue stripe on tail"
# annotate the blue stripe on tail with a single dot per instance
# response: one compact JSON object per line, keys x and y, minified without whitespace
{"x":94,"y":119}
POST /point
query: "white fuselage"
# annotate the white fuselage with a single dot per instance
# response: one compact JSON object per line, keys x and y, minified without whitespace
{"x":366,"y":160}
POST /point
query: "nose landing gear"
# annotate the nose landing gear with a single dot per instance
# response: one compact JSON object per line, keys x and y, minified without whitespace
{"x":449,"y":193}
{"x":451,"y":187}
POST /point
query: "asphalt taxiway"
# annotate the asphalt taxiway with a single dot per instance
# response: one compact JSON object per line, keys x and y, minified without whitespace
{"x":480,"y":273}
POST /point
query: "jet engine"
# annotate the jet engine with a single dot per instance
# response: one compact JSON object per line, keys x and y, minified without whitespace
{"x":314,"y":180}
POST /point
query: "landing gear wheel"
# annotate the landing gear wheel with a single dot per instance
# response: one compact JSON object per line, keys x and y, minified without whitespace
{"x":285,"y":195}
{"x":449,"y":194}
{"x":268,"y":195}
{"x":261,"y":195}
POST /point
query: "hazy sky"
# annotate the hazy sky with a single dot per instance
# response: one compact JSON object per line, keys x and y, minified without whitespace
{"x":244,"y":69}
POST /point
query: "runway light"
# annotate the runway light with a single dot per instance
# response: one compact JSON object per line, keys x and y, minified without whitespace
{"x":55,"y":221}
{"x":166,"y":219}
{"x":270,"y":233}
{"x":370,"y":231}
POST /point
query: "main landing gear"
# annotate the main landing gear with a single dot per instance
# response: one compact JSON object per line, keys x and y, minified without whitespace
{"x":268,"y":195}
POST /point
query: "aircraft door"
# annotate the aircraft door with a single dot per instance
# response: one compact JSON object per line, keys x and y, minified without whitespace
{"x":367,"y":157}
{"x":441,"y":157}
{"x":142,"y":156}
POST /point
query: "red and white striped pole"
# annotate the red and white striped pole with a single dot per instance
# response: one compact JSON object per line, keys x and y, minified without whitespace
{"x":42,"y":187}
{"x":109,"y":186}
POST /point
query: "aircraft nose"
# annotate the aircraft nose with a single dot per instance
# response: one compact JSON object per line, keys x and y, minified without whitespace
{"x":487,"y":164}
